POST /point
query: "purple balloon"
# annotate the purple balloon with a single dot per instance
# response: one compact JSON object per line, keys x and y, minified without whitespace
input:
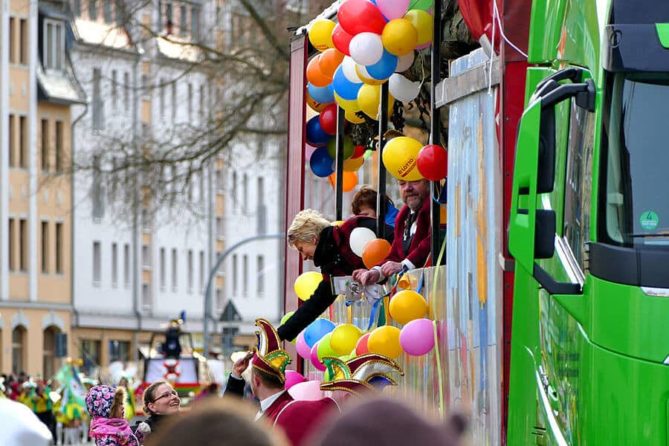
{"x":314,"y":358}
{"x":301,"y":346}
{"x":292,"y":378}
{"x":417,"y":337}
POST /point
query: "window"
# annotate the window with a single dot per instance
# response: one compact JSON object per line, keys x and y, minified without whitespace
{"x":12,"y":40}
{"x":59,"y":146}
{"x":195,"y":22}
{"x":219,"y":228}
{"x":183,"y":20}
{"x":114,"y":264}
{"x":126,"y":265}
{"x":126,"y":89}
{"x":97,"y":263}
{"x":12,"y":244}
{"x":201,"y":269}
{"x":12,"y":141}
{"x":190,"y":271}
{"x":190,"y":103}
{"x":245,"y":192}
{"x":120,"y":12}
{"x":45,"y":145}
{"x":59,"y":248}
{"x":261,"y":275}
{"x":234,"y":274}
{"x":233,"y":192}
{"x":146,"y":295}
{"x":45,"y":247}
{"x":23,"y":244}
{"x":91,"y":351}
{"x":107,"y":10}
{"x":168,"y":17}
{"x":97,"y":192}
{"x":219,"y":299}
{"x":93,"y":10}
{"x":219,"y":180}
{"x":23,"y":142}
{"x":114,"y":90}
{"x":175,"y":269}
{"x":76,"y":7}
{"x":49,"y":351}
{"x":119,"y":350}
{"x":18,"y":349}
{"x":202,"y":110}
{"x":146,"y":257}
{"x":162,"y":98}
{"x":203,"y":193}
{"x":261,"y":210}
{"x":98,"y":104}
{"x":174,"y":100}
{"x":245,"y":275}
{"x":163,"y":273}
{"x":54,"y":44}
{"x":23,"y":43}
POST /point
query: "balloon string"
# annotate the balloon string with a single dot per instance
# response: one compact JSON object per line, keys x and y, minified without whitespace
{"x":440,"y":375}
{"x":372,"y":316}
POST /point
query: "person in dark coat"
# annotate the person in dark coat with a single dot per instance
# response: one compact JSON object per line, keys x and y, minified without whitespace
{"x":316,"y":239}
{"x":413,"y":235}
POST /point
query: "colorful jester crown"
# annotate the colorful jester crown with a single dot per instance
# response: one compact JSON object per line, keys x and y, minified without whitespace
{"x":358,"y":375}
{"x":269,"y":357}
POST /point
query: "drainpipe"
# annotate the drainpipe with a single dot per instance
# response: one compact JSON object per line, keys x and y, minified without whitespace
{"x":136,"y":278}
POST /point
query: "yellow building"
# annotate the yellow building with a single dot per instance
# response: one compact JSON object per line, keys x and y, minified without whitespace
{"x":36,"y":92}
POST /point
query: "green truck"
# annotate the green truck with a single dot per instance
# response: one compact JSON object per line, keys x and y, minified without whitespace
{"x":589,"y":228}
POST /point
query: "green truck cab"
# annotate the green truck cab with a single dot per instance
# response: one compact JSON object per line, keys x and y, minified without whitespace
{"x":589,"y":228}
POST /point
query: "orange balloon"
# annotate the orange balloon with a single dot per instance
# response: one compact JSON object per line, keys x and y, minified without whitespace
{"x":375,"y":252}
{"x":350,"y":180}
{"x":314,"y":74}
{"x":315,"y":106}
{"x":329,"y":60}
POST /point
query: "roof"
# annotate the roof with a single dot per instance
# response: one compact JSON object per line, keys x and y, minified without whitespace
{"x":97,"y":33}
{"x":59,"y":86}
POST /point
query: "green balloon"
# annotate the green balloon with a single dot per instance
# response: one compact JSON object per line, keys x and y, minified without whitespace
{"x":348,"y":147}
{"x":421,"y":4}
{"x":325,"y":349}
{"x":286,"y":317}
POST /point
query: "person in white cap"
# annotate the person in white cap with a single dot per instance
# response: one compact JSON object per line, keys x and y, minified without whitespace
{"x":19,"y":426}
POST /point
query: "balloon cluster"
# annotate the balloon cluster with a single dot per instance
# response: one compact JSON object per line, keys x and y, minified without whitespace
{"x":407,"y":159}
{"x":373,"y":43}
{"x":364,"y":244}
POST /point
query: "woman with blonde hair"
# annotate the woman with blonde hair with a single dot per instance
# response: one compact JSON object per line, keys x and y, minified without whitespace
{"x":316,"y":239}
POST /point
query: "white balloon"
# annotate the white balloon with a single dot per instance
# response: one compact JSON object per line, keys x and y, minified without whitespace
{"x":404,"y":62}
{"x":359,"y":238}
{"x":402,"y":88}
{"x":366,"y":48}
{"x":348,"y":67}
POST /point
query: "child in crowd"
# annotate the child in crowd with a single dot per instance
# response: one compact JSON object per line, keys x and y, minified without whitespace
{"x":108,"y":425}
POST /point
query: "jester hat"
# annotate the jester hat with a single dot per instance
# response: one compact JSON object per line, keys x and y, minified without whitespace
{"x":269,"y":357}
{"x":355,"y":375}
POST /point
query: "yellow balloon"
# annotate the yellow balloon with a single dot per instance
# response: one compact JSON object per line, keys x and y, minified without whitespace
{"x":348,"y":105}
{"x":365,"y":77}
{"x":351,"y":116}
{"x":368,"y":100}
{"x":399,"y":37}
{"x":338,"y":223}
{"x":399,"y":157}
{"x":407,"y":305}
{"x":306,"y":284}
{"x":423,"y":23}
{"x":344,"y":338}
{"x":320,"y":34}
{"x":385,"y":341}
{"x":353,"y":164}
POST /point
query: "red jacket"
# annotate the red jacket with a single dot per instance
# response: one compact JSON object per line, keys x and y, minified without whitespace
{"x":277,"y":407}
{"x":420,"y":247}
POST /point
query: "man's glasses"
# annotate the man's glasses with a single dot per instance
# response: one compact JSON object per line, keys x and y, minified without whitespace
{"x":166,"y":395}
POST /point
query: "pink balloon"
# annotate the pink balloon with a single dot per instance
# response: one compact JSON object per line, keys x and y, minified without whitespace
{"x":307,"y":391}
{"x":302,"y":347}
{"x":358,"y":16}
{"x":292,"y":378}
{"x":393,"y":9}
{"x":417,"y":337}
{"x":314,"y":358}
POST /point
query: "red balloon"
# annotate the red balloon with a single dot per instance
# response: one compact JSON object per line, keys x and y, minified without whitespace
{"x":358,"y":151}
{"x":328,"y":119}
{"x":341,"y":39}
{"x":361,"y":346}
{"x":359,"y":16}
{"x":432,"y":162}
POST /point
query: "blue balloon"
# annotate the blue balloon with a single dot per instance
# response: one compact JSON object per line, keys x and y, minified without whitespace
{"x":384,"y":68}
{"x":380,"y":382}
{"x":318,"y":328}
{"x":324,"y":95}
{"x":322,"y":166}
{"x":316,"y":136}
{"x":343,"y":87}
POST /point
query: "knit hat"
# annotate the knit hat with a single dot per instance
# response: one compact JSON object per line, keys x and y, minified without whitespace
{"x":101,"y":400}
{"x":389,"y":422}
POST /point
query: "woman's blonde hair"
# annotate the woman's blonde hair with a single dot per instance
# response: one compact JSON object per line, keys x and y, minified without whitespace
{"x":306,"y":226}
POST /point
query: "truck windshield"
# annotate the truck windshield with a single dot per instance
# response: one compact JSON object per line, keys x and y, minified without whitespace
{"x":636,"y":146}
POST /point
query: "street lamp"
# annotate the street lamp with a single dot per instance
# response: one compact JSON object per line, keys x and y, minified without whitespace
{"x":212,"y":274}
